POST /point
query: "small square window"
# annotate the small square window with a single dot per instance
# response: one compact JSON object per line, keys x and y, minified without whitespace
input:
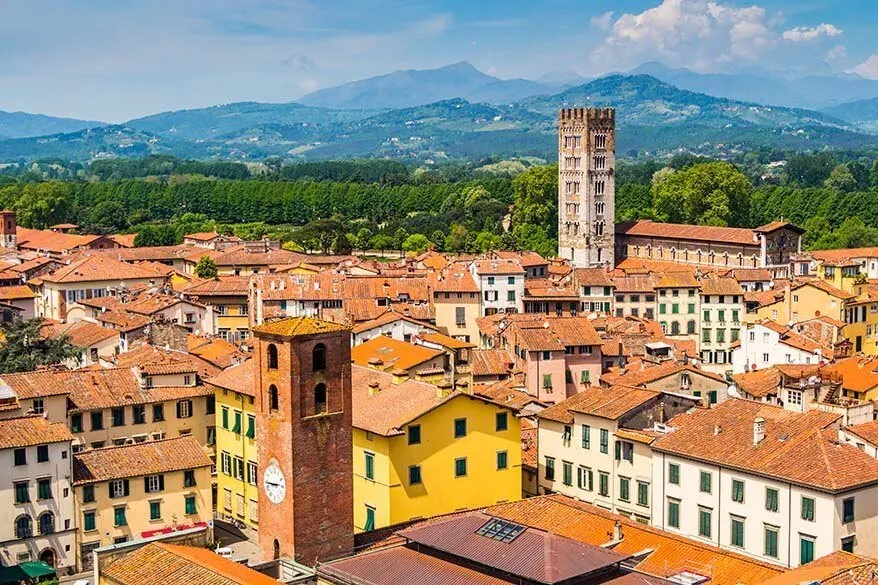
{"x":460,"y":467}
{"x":459,"y":428}
{"x":502,"y":460}
{"x":414,"y":434}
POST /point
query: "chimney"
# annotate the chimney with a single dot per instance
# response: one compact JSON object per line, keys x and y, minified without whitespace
{"x":717,"y":430}
{"x":374,"y":388}
{"x":617,"y":532}
{"x":758,"y":430}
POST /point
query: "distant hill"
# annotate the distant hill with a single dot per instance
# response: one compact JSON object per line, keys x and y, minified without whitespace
{"x":23,"y":125}
{"x":415,"y":87}
{"x":812,"y":91}
{"x":653,"y":117}
{"x":862,"y":113}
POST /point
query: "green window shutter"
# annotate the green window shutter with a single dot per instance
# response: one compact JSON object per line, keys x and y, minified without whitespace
{"x":806,"y":550}
{"x":705,"y":482}
{"x":44,"y":489}
{"x":225,"y":418}
{"x":502,"y":421}
{"x":586,"y":437}
{"x":547,"y":380}
{"x":771,"y":499}
{"x":88,"y":521}
{"x":737,"y":532}
{"x":370,"y":466}
{"x":623,"y":489}
{"x":502,"y":460}
{"x":119,"y":517}
{"x":771,"y":542}
{"x":251,"y":427}
{"x":643,"y":493}
{"x":674,"y":473}
{"x":568,"y":473}
{"x":584,"y":377}
{"x":704,"y":523}
{"x":737,"y":490}
{"x":808,"y":509}
{"x":568,"y":376}
{"x":237,"y":426}
{"x":674,"y":514}
{"x":190,"y":505}
{"x":370,"y":519}
{"x":155,"y":510}
{"x":460,"y":467}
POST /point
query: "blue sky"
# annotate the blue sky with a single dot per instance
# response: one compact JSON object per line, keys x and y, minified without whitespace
{"x":117,"y":59}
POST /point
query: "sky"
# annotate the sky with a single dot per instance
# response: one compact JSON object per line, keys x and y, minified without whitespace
{"x":113,"y":60}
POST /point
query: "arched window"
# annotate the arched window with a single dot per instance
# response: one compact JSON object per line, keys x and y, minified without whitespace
{"x":23,"y":527}
{"x":47,"y":523}
{"x":690,"y":327}
{"x":740,"y":259}
{"x":319,"y":398}
{"x":276,"y":549}
{"x":272,"y":356}
{"x":675,"y":328}
{"x":673,"y":253}
{"x":318,"y":358}
{"x":273,"y":400}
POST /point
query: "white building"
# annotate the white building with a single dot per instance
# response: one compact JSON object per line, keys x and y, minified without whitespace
{"x":390,"y":324}
{"x":722,"y":305}
{"x":769,"y":483}
{"x":766,"y":344}
{"x":501,"y":286}
{"x":35,"y":492}
{"x":592,"y":447}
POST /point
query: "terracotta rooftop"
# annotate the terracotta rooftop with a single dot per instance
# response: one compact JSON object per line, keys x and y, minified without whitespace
{"x":295,"y":326}
{"x":385,"y":352}
{"x":676,"y":231}
{"x":526,"y":258}
{"x":509,"y":393}
{"x":634,"y":284}
{"x":13,"y":293}
{"x":592,"y":277}
{"x":150,"y":457}
{"x":240,"y":256}
{"x":218,"y":352}
{"x":94,"y":268}
{"x":845,"y":254}
{"x":827,"y":288}
{"x":610,"y":403}
{"x":676,"y":280}
{"x":394,"y":405}
{"x":220,"y":286}
{"x":237,"y":378}
{"x":750,"y":274}
{"x":529,"y":450}
{"x":446,"y":341}
{"x":456,"y":279}
{"x":159,"y":562}
{"x":858,"y":373}
{"x":867,"y":431}
{"x":498,"y":267}
{"x":49,"y":241}
{"x":31,"y":430}
{"x":154,"y":360}
{"x":386,"y":318}
{"x":836,"y":568}
{"x":648,"y":373}
{"x":490,"y":362}
{"x":81,"y":333}
{"x":759,"y":383}
{"x":715,"y":285}
{"x":122,"y":320}
{"x":542,"y":333}
{"x":800,"y":448}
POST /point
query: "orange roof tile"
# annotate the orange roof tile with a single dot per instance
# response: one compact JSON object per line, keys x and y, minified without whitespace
{"x":490,"y":362}
{"x":389,"y":317}
{"x":498,"y":267}
{"x":836,"y":568}
{"x":648,"y":373}
{"x":677,"y":231}
{"x":456,"y":279}
{"x":296,"y":326}
{"x":859,"y":374}
{"x":715,"y":285}
{"x":867,"y":431}
{"x":676,"y":280}
{"x":81,"y":333}
{"x":31,"y":430}
{"x":800,"y":448}
{"x":238,"y":378}
{"x":388,"y":352}
{"x":159,"y":562}
{"x":592,"y":277}
{"x":759,"y":383}
{"x":154,"y":360}
{"x":146,"y":458}
{"x":610,"y":403}
{"x":446,"y":341}
{"x":223,"y":286}
{"x":12,"y":293}
{"x":94,"y":268}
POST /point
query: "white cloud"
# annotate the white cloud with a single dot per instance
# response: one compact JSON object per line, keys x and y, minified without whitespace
{"x":836,"y":52}
{"x":700,"y":34}
{"x":802,"y":34}
{"x":602,"y":22}
{"x":868,"y":68}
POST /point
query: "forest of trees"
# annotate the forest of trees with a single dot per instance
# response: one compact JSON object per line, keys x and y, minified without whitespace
{"x":382,"y":204}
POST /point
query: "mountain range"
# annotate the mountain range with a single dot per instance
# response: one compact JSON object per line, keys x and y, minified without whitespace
{"x":458,"y":111}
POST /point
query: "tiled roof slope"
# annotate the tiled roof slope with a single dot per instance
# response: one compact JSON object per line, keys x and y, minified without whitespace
{"x":800,"y":448}
{"x":610,"y":403}
{"x":31,"y":430}
{"x":139,"y":459}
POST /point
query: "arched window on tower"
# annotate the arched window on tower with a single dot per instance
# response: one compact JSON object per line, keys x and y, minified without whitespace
{"x":318,"y":358}
{"x":599,"y":228}
{"x":319,"y":398}
{"x":272,"y":356}
{"x":273,"y":398}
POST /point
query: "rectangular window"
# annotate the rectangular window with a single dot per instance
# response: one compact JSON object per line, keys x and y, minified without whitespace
{"x":138,"y":413}
{"x":605,"y":441}
{"x":252,"y":473}
{"x":737,"y":532}
{"x":44,"y":489}
{"x":770,"y":547}
{"x":184,"y":409}
{"x":459,"y":428}
{"x":585,"y":478}
{"x":190,"y":505}
{"x":76,"y":423}
{"x":370,"y":519}
{"x":226,"y":462}
{"x":847,"y":544}
{"x":225,"y":417}
{"x":847,"y":510}
{"x":510,"y":295}
{"x":567,"y":468}
{"x":414,"y":474}
{"x":460,"y":316}
{"x":155,"y":510}
{"x":704,"y":522}
{"x":88,"y":521}
{"x":603,"y":483}
{"x":238,"y":467}
{"x":119,"y":488}
{"x":501,"y":422}
{"x":806,"y":549}
{"x":158,"y":412}
{"x":737,"y":490}
{"x":807,"y":509}
{"x":550,"y":468}
{"x":22,"y":493}
{"x":20,"y":457}
{"x":88,"y":493}
{"x":771,"y":499}
{"x":586,"y":437}
{"x":153,"y":483}
{"x":119,"y":516}
{"x":642,"y":493}
{"x":251,"y":427}
{"x":188,"y":478}
{"x":674,"y":473}
{"x":673,"y":513}
{"x":547,"y":381}
{"x":705,"y":482}
{"x":42,"y":453}
{"x":414,"y":434}
{"x":691,"y":308}
{"x":502,"y":460}
{"x":460,"y":467}
{"x":675,"y":308}
{"x":624,"y":487}
{"x":370,"y":465}
{"x":118,"y":416}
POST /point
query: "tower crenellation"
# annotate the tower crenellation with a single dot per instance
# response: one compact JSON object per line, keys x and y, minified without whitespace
{"x":586,"y":185}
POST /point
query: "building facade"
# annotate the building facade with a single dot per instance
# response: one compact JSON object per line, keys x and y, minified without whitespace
{"x":586,"y":185}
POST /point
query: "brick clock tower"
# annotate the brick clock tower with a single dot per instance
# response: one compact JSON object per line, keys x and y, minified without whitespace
{"x":586,"y":185}
{"x":304,"y":433}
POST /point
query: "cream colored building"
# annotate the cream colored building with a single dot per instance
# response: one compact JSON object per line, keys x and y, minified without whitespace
{"x":456,"y":302}
{"x":37,"y":507}
{"x":135,"y":491}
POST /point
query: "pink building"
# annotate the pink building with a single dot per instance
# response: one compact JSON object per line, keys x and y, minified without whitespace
{"x":559,"y":356}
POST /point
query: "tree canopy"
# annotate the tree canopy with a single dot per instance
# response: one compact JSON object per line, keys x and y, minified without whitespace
{"x":26,"y":347}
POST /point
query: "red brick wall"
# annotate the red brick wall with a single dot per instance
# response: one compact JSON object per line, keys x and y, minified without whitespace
{"x":315,"y":519}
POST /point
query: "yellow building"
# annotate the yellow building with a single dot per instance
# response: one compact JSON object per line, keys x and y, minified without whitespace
{"x":236,"y":449}
{"x":420,"y":451}
{"x":843,"y":274}
{"x":456,"y":302}
{"x":228,"y":295}
{"x":861,"y":319}
{"x":139,"y":490}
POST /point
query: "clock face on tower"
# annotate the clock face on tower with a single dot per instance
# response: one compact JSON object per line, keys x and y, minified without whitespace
{"x":275,"y":484}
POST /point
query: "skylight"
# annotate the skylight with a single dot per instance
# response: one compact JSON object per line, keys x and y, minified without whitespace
{"x":501,"y":530}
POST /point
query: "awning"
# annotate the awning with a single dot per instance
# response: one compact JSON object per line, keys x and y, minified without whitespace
{"x":25,"y":571}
